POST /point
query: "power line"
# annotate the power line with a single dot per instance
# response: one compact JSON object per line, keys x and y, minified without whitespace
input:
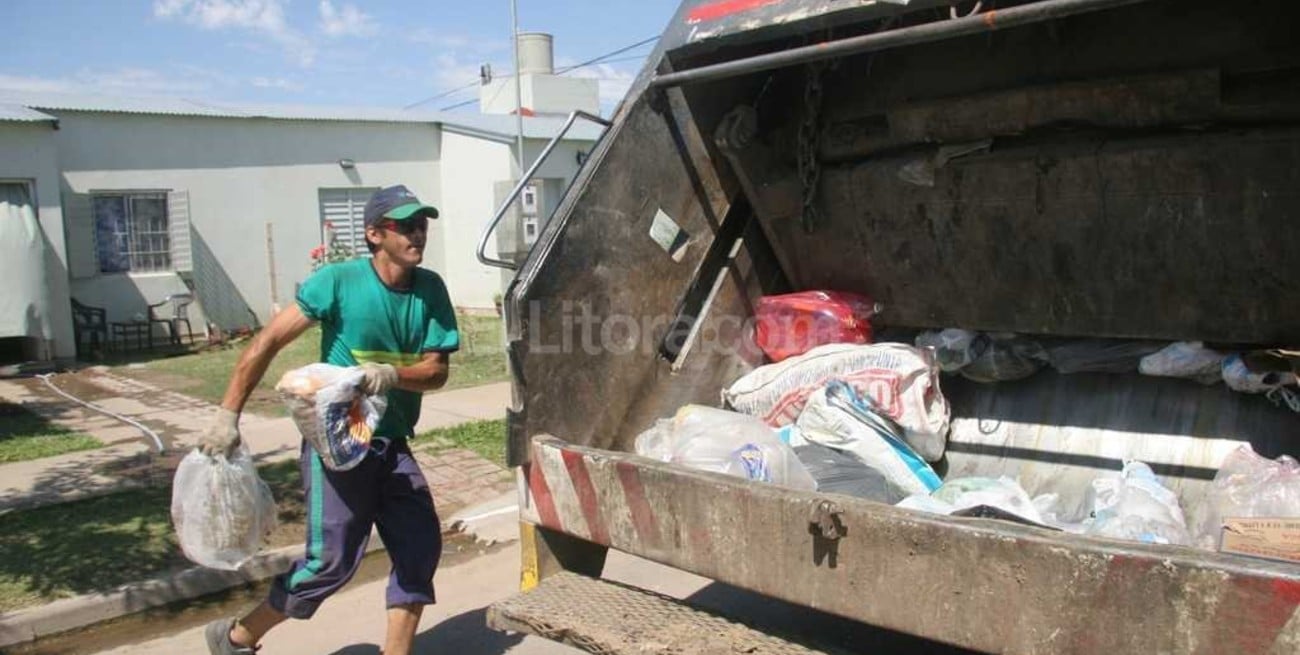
{"x":607,"y":55}
{"x":459,"y":105}
{"x":610,"y":61}
{"x":444,"y":94}
{"x":562,"y":71}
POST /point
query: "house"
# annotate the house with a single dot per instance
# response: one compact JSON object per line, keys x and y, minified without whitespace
{"x":140,"y":198}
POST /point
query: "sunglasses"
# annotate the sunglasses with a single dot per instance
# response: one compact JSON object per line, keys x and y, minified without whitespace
{"x":407,"y":227}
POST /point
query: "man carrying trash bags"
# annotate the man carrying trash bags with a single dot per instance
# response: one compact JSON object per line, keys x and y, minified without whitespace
{"x":395,"y":321}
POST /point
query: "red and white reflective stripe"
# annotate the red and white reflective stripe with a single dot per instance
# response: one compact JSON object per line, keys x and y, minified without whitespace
{"x":549,"y":468}
{"x":567,"y":494}
{"x":723,"y":8}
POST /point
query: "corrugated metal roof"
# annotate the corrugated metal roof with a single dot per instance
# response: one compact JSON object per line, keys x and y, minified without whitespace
{"x":23,"y":114}
{"x":540,"y":127}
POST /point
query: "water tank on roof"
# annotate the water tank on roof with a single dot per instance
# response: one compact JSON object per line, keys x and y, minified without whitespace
{"x":535,"y":53}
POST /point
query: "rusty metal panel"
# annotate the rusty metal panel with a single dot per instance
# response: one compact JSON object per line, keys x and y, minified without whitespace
{"x":975,"y":583}
{"x":1168,"y":237}
{"x":1139,"y":102}
{"x":596,"y":297}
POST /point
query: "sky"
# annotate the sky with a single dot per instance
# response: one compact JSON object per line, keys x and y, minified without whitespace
{"x":374,"y":53}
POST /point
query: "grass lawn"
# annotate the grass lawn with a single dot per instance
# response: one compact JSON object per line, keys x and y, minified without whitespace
{"x":96,"y":544}
{"x":24,"y":436}
{"x":482,"y":355}
{"x":204,"y":375}
{"x":487,"y":438}
{"x":91,"y":545}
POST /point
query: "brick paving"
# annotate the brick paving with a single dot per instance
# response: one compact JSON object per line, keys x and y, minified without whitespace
{"x":461,"y":478}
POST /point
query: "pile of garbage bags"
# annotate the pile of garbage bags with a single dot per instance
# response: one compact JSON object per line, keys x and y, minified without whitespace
{"x":724,"y":442}
{"x":868,"y":420}
{"x":1004,"y":357}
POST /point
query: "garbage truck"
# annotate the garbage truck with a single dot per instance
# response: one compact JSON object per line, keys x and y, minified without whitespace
{"x":1067,"y":169}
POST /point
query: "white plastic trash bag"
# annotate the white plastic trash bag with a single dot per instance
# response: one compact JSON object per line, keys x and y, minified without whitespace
{"x":836,"y":417}
{"x":1185,"y":359}
{"x":966,"y":493}
{"x":1135,"y":506}
{"x":902,"y":381}
{"x":1248,"y":486}
{"x":331,"y":412}
{"x":717,"y":440}
{"x":1240,"y":377}
{"x":221,"y":509}
{"x":953,"y":349}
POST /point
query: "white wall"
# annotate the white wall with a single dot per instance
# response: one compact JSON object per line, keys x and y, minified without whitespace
{"x":28,"y":152}
{"x":554,"y":94}
{"x":125,"y":298}
{"x":473,"y":166}
{"x":470,"y":204}
{"x":543,"y":94}
{"x":242,"y":174}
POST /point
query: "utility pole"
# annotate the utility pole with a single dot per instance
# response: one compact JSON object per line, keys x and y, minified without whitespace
{"x":519,"y":99}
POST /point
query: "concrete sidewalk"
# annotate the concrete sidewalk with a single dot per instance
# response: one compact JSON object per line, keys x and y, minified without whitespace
{"x":458,"y":478}
{"x":130,"y":457}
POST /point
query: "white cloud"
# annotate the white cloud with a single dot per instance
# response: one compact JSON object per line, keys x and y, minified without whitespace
{"x":259,"y":15}
{"x":346,"y":20}
{"x":450,"y":72}
{"x":277,"y":83}
{"x":38,"y":84}
{"x":138,"y":81}
{"x":441,"y":40}
{"x":265,"y":17}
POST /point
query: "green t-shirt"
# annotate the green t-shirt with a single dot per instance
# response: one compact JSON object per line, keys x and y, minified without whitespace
{"x":364,"y":320}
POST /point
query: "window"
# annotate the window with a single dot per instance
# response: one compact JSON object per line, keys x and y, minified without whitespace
{"x":530,"y":230}
{"x":528,"y":203}
{"x":132,"y":233}
{"x":342,"y":218}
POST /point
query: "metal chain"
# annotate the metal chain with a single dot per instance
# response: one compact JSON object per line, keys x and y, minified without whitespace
{"x":809,"y":140}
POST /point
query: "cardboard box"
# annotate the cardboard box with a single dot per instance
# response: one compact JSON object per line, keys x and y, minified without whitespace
{"x":1270,"y":538}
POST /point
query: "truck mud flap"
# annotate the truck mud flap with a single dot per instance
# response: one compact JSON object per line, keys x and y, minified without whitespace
{"x":609,"y":618}
{"x":978,"y":583}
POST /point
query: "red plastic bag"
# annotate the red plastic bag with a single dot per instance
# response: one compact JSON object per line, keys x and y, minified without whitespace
{"x":794,"y":323}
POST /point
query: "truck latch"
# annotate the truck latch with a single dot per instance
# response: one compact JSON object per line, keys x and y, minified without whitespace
{"x":826,"y":527}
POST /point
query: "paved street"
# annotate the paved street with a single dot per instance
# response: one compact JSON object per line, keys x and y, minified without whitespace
{"x":351,"y":623}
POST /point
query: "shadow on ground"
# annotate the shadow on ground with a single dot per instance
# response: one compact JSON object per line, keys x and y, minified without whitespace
{"x":464,"y":633}
{"x":93,"y":545}
{"x":808,"y":626}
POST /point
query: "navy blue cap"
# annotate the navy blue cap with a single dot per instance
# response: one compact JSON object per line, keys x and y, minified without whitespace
{"x":396,"y":203}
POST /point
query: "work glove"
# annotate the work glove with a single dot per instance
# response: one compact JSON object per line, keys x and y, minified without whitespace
{"x":379,"y":378}
{"x":222,"y":437}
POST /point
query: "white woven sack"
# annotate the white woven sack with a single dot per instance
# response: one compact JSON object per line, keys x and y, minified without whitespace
{"x":904,"y":382}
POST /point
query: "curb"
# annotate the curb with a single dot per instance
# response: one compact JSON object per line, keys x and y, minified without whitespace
{"x":71,"y":613}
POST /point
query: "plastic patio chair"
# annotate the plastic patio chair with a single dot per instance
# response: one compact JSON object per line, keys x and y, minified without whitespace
{"x":179,"y":303}
{"x":92,"y":322}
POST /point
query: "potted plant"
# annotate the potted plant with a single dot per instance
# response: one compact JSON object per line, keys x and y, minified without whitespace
{"x":330,"y":252}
